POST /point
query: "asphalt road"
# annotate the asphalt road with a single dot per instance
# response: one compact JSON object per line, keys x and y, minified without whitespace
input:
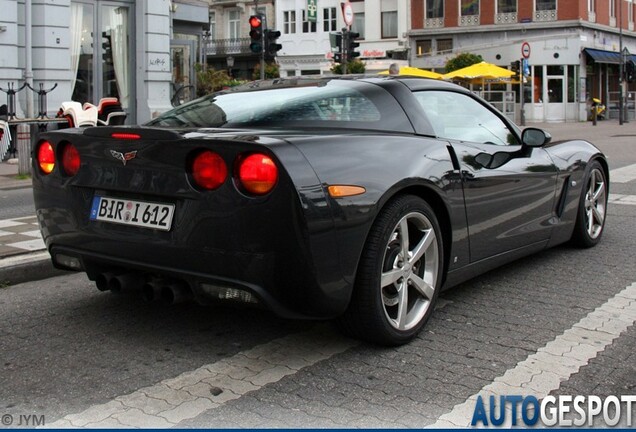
{"x":555,"y":323}
{"x":81,"y":357}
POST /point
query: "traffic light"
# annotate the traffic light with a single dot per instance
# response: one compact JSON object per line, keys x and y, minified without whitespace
{"x":257,"y":27}
{"x":271,"y":45}
{"x":352,"y":45}
{"x":336,"y":46}
{"x":630,"y":71}
{"x":515,"y":67}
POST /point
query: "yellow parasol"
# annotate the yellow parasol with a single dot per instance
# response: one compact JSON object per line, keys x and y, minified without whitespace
{"x":413,"y":71}
{"x":480,"y":72}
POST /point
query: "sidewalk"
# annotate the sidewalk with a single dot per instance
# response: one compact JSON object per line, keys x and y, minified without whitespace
{"x":9,"y":176}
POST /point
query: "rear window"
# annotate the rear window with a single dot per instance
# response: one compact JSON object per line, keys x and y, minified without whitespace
{"x":320,"y":104}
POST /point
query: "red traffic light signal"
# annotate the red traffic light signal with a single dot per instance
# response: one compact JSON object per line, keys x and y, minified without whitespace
{"x":256,"y":33}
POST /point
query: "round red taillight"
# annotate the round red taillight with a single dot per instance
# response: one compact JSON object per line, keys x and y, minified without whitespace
{"x":257,"y":174}
{"x":46,"y":157}
{"x":208,"y":170}
{"x":70,"y":159}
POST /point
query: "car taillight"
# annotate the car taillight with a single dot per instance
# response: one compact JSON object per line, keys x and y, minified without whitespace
{"x":46,"y":157}
{"x":257,"y":174}
{"x":208,"y":170}
{"x":70,"y":159}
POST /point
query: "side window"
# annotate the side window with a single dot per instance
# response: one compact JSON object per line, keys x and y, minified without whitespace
{"x":459,"y":117}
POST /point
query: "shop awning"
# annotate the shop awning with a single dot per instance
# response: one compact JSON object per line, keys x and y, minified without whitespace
{"x":602,"y":56}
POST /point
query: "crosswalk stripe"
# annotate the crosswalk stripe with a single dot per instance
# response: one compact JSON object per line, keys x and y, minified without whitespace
{"x":623,"y":175}
{"x":544,"y":370}
{"x":190,"y":394}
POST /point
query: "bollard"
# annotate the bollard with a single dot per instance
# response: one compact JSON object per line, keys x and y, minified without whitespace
{"x":594,"y":114}
{"x":24,"y":149}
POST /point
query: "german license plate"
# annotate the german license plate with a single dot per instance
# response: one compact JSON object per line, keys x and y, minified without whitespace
{"x":129,"y":212}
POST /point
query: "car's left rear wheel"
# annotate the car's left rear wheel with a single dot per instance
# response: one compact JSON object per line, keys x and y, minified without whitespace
{"x":398,"y":276}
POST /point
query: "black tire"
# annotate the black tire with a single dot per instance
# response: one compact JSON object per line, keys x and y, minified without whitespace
{"x":592,"y":210}
{"x":375,"y":314}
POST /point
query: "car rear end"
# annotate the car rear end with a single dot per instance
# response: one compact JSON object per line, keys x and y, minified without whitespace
{"x":180,"y":215}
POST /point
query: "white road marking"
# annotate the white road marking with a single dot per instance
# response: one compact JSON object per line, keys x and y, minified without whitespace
{"x":171,"y":401}
{"x":622,"y":199}
{"x":623,"y":175}
{"x":544,"y":371}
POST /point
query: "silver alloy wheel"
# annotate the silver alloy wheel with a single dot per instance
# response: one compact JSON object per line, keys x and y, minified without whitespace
{"x":410,"y":267}
{"x":595,"y":201}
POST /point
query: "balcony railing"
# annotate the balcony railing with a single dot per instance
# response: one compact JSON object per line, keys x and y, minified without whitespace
{"x":506,"y":18}
{"x":545,"y":15}
{"x":434,"y":22}
{"x":228,"y":46}
{"x":469,"y":20}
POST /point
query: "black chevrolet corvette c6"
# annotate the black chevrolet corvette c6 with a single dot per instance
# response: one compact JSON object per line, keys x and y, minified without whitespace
{"x":355,"y":198}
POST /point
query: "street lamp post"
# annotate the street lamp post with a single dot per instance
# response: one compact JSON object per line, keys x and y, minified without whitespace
{"x":230,"y":65}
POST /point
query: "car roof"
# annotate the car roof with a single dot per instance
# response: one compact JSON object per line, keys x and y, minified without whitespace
{"x":413,"y":83}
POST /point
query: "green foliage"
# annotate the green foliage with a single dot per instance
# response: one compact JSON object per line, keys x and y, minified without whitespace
{"x":210,"y":80}
{"x":461,"y":61}
{"x":271,"y":71}
{"x":354,"y":67}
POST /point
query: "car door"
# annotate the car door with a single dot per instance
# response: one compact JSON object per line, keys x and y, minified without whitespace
{"x":509,"y":189}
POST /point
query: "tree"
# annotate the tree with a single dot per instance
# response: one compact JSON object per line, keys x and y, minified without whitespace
{"x":271,"y":71}
{"x":461,"y":61}
{"x":353,"y":67}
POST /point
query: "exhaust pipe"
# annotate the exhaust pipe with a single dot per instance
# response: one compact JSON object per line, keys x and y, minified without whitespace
{"x":176,"y":292}
{"x":103,"y":280}
{"x":151,"y":291}
{"x":125,"y":281}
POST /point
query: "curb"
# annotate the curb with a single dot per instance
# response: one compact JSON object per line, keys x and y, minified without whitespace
{"x":27,"y":268}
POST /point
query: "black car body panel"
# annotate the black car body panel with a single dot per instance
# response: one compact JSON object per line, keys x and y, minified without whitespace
{"x":297,"y":248}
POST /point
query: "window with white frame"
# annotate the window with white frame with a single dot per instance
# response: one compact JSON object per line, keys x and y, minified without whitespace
{"x":213,"y":24}
{"x":545,"y":5}
{"x":389,"y":24}
{"x":434,"y":9}
{"x":234,"y":23}
{"x":591,"y":10}
{"x":308,"y":26}
{"x":358,"y":24}
{"x":468,"y":7}
{"x":329,"y":19}
{"x":289,"y":22}
{"x":612,"y":8}
{"x":506,"y":6}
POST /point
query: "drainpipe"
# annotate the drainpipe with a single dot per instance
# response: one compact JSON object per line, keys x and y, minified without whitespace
{"x":28,"y":55}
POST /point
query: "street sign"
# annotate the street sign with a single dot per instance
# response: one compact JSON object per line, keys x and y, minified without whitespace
{"x":525,"y":50}
{"x":347,"y":13}
{"x":312,"y":10}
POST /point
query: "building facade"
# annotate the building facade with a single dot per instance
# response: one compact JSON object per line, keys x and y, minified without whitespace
{"x":94,"y":48}
{"x":572,"y":47}
{"x":307,"y":50}
{"x":228,"y":41}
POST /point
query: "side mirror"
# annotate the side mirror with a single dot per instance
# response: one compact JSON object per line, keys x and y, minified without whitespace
{"x":534,"y":137}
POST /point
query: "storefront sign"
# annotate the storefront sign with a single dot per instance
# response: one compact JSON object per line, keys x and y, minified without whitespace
{"x":373,"y":53}
{"x":312,"y":10}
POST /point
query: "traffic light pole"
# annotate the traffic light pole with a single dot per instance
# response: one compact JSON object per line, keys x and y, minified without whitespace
{"x":345,"y":43}
{"x":523,"y":112}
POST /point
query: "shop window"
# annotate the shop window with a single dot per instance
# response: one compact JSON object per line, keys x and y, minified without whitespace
{"x":555,"y":70}
{"x":444,"y":46}
{"x":101,"y":60}
{"x":573,"y":80}
{"x":424,"y":47}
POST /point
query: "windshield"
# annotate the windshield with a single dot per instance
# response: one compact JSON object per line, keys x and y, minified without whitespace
{"x":319,"y":104}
